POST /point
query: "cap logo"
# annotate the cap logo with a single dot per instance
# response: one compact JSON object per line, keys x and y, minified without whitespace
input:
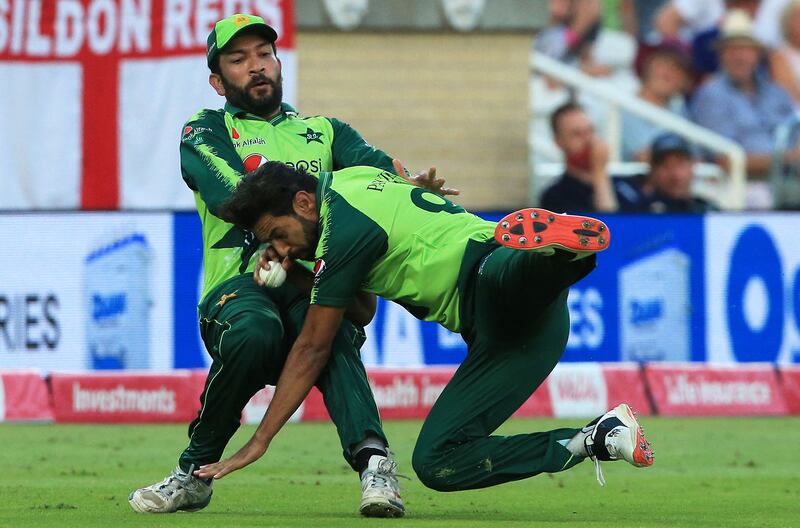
{"x":240,"y":20}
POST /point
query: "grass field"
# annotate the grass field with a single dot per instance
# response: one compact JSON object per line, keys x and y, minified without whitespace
{"x":708,"y":472}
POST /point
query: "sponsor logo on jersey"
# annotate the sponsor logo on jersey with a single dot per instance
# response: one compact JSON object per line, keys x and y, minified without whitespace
{"x":254,"y":161}
{"x":313,"y":166}
{"x":319,"y":267}
{"x":311,"y":135}
{"x":190,"y":132}
{"x":248,"y":142}
{"x":234,"y":133}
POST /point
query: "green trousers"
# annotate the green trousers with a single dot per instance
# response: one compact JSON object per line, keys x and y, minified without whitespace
{"x":248,"y":331}
{"x":515,"y":323}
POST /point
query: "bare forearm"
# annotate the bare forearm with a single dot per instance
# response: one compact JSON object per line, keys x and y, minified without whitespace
{"x":604,"y":198}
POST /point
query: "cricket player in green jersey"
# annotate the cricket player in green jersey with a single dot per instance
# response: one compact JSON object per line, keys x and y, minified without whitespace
{"x":248,"y":329}
{"x":502,"y":286}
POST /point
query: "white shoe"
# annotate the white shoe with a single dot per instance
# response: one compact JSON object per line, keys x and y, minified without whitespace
{"x":616,"y":435}
{"x":179,"y":491}
{"x":380,"y":491}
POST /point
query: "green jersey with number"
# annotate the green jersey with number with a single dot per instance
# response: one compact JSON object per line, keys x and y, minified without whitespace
{"x":219,"y":146}
{"x":380,"y":234}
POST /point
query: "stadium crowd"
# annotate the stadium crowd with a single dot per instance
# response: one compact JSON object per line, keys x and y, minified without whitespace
{"x":730,"y":66}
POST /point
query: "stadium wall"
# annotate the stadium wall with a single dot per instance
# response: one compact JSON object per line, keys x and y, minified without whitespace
{"x":451,"y":100}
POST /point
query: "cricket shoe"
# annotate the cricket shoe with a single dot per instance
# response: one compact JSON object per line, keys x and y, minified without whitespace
{"x":179,"y":491}
{"x":616,"y":435}
{"x":544,"y":231}
{"x":380,"y":491}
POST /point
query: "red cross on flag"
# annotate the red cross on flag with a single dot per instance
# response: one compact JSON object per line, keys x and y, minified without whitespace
{"x":94,"y":93}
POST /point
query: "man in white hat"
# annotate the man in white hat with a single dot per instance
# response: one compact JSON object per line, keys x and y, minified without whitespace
{"x":741,"y":102}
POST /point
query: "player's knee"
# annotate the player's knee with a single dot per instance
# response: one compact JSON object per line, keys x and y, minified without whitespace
{"x":256,"y":336}
{"x":431,"y":469}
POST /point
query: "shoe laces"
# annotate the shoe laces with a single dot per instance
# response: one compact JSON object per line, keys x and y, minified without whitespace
{"x":384,"y":475}
{"x":175,"y":481}
{"x":598,"y":471}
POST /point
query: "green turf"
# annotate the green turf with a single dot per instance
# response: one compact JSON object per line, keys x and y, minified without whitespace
{"x":708,"y":472}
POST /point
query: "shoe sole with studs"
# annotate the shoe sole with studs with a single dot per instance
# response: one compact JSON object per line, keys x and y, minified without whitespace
{"x":541,"y":230}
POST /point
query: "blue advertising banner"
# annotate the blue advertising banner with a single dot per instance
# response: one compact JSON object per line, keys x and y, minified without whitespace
{"x":187,"y":286}
{"x":722,"y":288}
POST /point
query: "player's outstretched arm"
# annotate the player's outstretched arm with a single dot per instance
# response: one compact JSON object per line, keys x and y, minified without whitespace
{"x":305,"y":362}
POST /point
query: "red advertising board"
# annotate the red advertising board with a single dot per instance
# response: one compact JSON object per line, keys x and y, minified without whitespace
{"x":124,"y":398}
{"x":790,"y":382}
{"x":707,"y":390}
{"x":23,"y":396}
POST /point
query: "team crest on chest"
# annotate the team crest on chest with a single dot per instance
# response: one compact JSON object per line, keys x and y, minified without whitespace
{"x":311,"y":135}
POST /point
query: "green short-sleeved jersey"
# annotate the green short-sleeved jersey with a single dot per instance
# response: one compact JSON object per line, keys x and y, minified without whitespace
{"x":380,"y":234}
{"x":219,"y":146}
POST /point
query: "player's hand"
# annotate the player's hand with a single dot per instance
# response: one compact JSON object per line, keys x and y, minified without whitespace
{"x":266,"y":259}
{"x":426,"y":179}
{"x":252,"y":451}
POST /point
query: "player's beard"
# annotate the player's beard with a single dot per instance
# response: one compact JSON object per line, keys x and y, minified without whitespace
{"x":242,"y":97}
{"x":311,"y":236}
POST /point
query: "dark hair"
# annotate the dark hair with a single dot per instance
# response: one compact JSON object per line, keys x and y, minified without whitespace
{"x":269,"y":189}
{"x":555,"y":117}
{"x":671,"y":54}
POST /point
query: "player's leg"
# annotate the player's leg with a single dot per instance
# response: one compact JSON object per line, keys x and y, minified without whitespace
{"x":514,"y":343}
{"x":527,"y":275}
{"x":456,"y":449}
{"x":351,"y":405}
{"x":243,"y":333}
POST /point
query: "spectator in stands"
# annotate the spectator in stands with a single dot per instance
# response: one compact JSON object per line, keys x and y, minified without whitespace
{"x":667,"y":187}
{"x":573,"y":29}
{"x":740,"y":102}
{"x":785,"y":61}
{"x":638,"y":17}
{"x":666,"y":76}
{"x":585,"y":185}
{"x":696,"y":23}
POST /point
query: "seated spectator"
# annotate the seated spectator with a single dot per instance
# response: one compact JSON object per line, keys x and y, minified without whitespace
{"x":784,"y":62}
{"x":585,"y":185}
{"x":696,"y":23}
{"x":666,"y":76}
{"x":667,"y":187}
{"x":740,"y":102}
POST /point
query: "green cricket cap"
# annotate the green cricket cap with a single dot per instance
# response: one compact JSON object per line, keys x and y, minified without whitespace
{"x":227,"y":28}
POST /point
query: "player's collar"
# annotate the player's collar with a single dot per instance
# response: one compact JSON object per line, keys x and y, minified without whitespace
{"x":323,"y":186}
{"x":286,"y":110}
